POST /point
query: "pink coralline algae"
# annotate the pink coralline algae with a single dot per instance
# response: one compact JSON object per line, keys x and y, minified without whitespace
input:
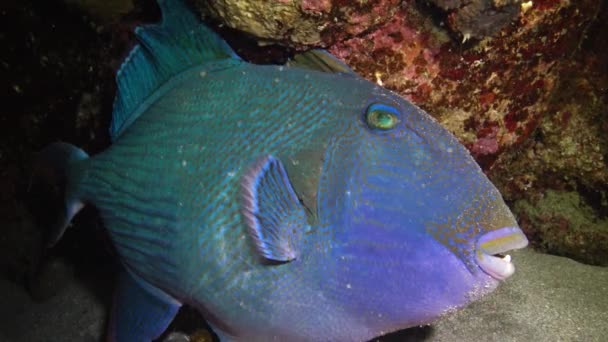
{"x":485,"y":145}
{"x":490,"y":93}
{"x":397,"y":55}
{"x":316,"y":6}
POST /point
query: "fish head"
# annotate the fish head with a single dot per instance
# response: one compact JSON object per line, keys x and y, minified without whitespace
{"x":413,"y":224}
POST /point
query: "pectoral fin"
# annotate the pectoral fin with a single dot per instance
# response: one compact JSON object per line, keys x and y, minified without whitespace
{"x":275,"y":218}
{"x":141,"y":312}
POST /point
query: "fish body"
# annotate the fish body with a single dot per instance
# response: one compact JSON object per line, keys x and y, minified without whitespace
{"x":296,"y":202}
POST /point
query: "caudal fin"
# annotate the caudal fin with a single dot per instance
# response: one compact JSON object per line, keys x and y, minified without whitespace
{"x":53,"y":173}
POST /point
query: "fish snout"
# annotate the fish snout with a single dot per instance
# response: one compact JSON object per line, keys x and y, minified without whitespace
{"x":491,"y":248}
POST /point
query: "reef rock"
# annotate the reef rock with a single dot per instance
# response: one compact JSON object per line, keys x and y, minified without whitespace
{"x":491,"y":94}
{"x":562,"y":222}
{"x":558,"y":180}
{"x":479,"y":18}
{"x":299,"y":22}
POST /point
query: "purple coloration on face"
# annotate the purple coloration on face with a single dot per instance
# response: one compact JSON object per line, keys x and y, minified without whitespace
{"x":409,"y":281}
{"x":416,"y":222}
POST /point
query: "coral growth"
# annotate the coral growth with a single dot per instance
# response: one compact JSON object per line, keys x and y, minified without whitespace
{"x":491,"y":95}
{"x":559,"y":179}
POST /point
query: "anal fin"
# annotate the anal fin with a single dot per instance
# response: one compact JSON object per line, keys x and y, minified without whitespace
{"x":141,"y":312}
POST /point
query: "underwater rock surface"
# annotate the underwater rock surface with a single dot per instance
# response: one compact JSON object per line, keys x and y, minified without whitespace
{"x":561,"y":222}
{"x":479,"y":18}
{"x":558,"y":179}
{"x":491,"y":94}
{"x":302,"y":22}
{"x":549,"y":299}
{"x":322,"y":22}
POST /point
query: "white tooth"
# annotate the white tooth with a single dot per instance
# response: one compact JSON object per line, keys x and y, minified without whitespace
{"x":507,"y":258}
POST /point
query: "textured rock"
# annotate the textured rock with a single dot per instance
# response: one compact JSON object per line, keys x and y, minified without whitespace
{"x":558,"y":180}
{"x":479,"y":18}
{"x":491,"y":95}
{"x":569,"y":149}
{"x":299,"y":22}
{"x":322,"y":22}
{"x":561,"y":222}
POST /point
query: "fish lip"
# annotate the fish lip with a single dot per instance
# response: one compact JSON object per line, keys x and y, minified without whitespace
{"x":499,"y":241}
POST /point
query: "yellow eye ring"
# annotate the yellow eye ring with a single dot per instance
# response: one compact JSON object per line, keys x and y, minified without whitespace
{"x":381,"y":117}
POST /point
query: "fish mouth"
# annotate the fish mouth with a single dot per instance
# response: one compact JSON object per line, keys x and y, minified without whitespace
{"x":491,"y":248}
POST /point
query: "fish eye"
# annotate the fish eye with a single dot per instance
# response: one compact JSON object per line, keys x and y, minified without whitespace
{"x":381,"y":117}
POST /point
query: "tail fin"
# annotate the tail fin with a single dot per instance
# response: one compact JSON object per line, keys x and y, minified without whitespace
{"x":53,"y":175}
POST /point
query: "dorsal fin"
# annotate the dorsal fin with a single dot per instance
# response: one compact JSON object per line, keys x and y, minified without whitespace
{"x":180,"y":42}
{"x":320,"y":60}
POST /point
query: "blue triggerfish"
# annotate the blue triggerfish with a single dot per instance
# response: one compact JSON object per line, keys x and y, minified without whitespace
{"x":295,"y":202}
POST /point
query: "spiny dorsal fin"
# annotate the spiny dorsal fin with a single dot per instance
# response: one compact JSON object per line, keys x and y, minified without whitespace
{"x":180,"y":42}
{"x":320,"y":60}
